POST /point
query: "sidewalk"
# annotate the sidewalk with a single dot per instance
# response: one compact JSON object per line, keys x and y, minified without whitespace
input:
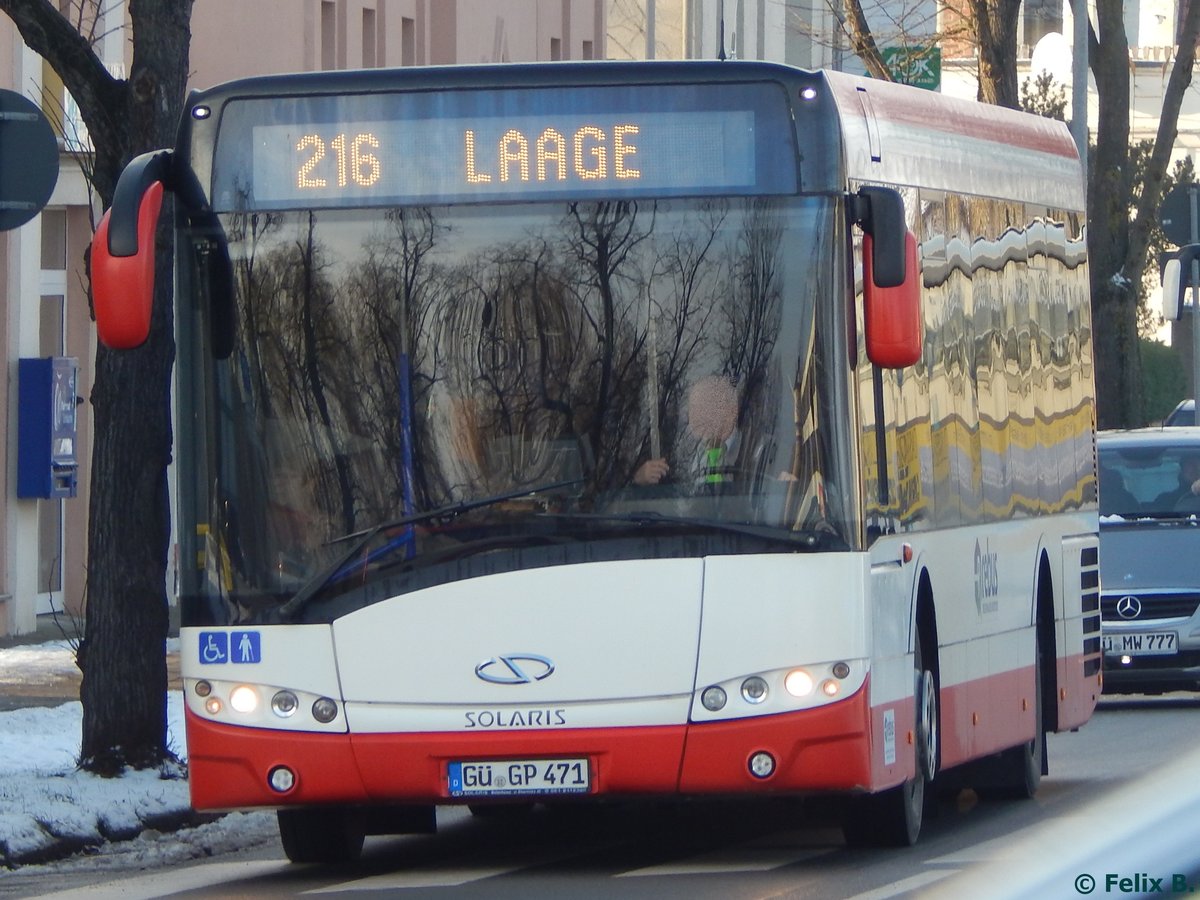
{"x":34,"y":684}
{"x":26,"y":682}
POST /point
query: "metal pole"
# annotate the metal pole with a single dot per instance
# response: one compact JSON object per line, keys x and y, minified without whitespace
{"x":1079,"y":83}
{"x":649,"y":29}
{"x":1193,"y":203}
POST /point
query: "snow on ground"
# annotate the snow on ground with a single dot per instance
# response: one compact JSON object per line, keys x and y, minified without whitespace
{"x":48,"y":808}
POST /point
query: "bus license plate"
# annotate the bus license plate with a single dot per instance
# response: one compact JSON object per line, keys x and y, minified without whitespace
{"x":505,"y":777}
{"x":1146,"y":643}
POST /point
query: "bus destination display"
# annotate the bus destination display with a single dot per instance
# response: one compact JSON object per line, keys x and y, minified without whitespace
{"x":372,"y":162}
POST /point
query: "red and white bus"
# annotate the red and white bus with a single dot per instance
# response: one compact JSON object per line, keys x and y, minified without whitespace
{"x":557,"y":433}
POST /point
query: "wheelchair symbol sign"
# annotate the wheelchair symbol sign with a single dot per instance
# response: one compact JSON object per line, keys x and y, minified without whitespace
{"x":214,"y":647}
{"x":218,"y":647}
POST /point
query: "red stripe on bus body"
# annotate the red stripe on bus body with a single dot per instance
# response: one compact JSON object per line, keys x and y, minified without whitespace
{"x":1082,"y":690}
{"x":985,"y":715}
{"x":228,"y":766}
{"x":818,"y":749}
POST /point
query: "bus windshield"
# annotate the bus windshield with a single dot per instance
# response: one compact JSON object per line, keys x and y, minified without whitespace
{"x":412,"y":386}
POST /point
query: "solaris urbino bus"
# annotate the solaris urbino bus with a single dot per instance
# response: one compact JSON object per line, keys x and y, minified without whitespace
{"x":557,"y":433}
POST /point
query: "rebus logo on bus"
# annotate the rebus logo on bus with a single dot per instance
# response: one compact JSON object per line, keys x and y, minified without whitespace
{"x":987,"y":579}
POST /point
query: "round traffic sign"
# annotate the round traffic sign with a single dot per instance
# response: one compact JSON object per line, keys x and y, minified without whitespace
{"x":28,"y":160}
{"x":1175,"y":214}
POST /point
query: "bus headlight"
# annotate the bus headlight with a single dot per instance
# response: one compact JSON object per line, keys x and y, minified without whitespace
{"x":713,"y":699}
{"x":284,"y":704}
{"x":754,"y":690}
{"x":798,"y":683}
{"x":324,"y":710}
{"x":243,"y":699}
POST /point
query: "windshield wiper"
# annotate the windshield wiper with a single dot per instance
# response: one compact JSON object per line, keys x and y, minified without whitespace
{"x":360,"y":539}
{"x":812,"y":539}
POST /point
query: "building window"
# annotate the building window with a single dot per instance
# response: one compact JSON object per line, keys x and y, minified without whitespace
{"x":54,"y":239}
{"x":555,"y":48}
{"x":1041,"y":18}
{"x":368,"y":39}
{"x":328,"y":35}
{"x":408,"y":42}
{"x":587,"y":50}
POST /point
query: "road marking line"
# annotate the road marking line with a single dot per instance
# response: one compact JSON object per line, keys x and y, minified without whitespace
{"x":428,"y":878}
{"x":912,"y":883}
{"x":731,"y":860}
{"x":172,"y":881}
{"x":1007,"y":846}
{"x":436,"y":876}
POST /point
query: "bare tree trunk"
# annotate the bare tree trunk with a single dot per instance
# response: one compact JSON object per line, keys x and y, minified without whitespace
{"x":1117,"y":246}
{"x":996,"y":25}
{"x":862,"y":41}
{"x":123,"y":653}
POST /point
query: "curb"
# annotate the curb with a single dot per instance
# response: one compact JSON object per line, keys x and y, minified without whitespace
{"x":51,"y":842}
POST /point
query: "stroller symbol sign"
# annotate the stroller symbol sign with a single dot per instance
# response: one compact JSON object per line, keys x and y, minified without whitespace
{"x":217,"y":647}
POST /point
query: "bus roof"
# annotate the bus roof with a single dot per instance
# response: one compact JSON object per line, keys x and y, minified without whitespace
{"x":903,"y":135}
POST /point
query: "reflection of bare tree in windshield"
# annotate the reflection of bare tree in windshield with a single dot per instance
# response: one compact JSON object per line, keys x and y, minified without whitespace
{"x":751,"y":310}
{"x":388,"y":302}
{"x":398,"y":361}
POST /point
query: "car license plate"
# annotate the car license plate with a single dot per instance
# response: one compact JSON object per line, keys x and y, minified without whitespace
{"x":499,"y":778}
{"x":1144,"y":643}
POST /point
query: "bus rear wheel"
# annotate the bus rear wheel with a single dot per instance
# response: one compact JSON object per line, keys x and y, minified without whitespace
{"x":320,"y":835}
{"x":893,"y":817}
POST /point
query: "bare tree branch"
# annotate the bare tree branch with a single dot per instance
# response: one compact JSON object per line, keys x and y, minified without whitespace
{"x":44,"y":29}
{"x":862,"y":41}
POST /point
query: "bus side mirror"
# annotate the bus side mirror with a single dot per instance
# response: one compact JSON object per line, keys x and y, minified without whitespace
{"x":881,"y":215}
{"x":1177,"y":277}
{"x":123,"y":254}
{"x":892,"y":314}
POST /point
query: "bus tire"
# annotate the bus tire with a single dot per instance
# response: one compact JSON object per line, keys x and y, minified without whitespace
{"x":320,"y":835}
{"x":893,"y":818}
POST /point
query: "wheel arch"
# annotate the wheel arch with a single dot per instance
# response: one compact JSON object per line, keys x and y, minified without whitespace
{"x":1047,"y":638}
{"x":924,"y":628}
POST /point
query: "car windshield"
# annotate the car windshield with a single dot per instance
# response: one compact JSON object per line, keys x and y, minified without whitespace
{"x":1152,"y":479}
{"x":530,"y":375}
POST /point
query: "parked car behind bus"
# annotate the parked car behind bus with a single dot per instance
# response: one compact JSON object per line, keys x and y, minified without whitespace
{"x":1184,"y":413}
{"x":1150,"y":559}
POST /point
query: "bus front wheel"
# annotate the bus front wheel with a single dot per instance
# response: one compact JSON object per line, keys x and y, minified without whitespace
{"x":320,"y":835}
{"x":893,"y":818}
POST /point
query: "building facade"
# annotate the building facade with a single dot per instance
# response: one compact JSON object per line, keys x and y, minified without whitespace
{"x":44,"y":295}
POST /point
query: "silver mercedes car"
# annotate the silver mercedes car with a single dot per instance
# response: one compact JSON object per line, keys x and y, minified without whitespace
{"x":1150,"y":559}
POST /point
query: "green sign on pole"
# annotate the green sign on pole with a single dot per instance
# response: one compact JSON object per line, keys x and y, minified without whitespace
{"x":916,"y":64}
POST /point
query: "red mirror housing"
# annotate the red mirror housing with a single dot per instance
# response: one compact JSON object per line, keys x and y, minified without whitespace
{"x":894,"y":327}
{"x":123,"y":286}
